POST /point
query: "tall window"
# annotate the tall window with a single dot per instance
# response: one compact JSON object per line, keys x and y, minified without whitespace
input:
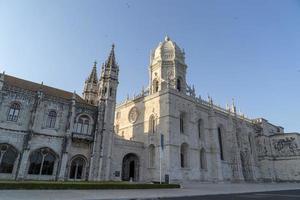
{"x":51,"y":119}
{"x":77,"y":169}
{"x":110,"y":91}
{"x":42,"y":162}
{"x":220,"y":143}
{"x":152,"y":124}
{"x":203,"y":163}
{"x":184,"y":155}
{"x":178,"y":85}
{"x":200,"y":128}
{"x":8,"y":156}
{"x":82,"y":125}
{"x":181,"y":122}
{"x":13,"y":113}
{"x":151,"y":156}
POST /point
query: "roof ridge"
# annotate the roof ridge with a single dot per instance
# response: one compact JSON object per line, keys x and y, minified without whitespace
{"x":33,"y":86}
{"x":42,"y":85}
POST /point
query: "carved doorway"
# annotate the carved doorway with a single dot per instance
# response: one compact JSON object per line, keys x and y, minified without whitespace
{"x":130,"y":167}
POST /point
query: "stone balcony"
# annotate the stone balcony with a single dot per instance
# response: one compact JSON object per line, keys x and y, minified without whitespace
{"x":82,"y":137}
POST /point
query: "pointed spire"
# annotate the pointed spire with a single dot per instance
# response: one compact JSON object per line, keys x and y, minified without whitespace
{"x":93,"y":76}
{"x":167,"y":38}
{"x":111,"y":61}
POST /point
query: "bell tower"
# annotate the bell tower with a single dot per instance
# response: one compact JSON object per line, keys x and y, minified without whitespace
{"x":167,"y":67}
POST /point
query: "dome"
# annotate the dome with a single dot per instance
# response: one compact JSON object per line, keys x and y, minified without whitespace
{"x":168,"y":51}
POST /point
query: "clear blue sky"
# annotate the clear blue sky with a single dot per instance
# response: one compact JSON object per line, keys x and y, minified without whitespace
{"x":243,"y":49}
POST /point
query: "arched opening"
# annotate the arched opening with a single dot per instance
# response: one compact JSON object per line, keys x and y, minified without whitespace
{"x":203,"y":162}
{"x":8,"y":156}
{"x":152,"y":124}
{"x":42,"y":162}
{"x":220,"y":142}
{"x":51,"y":119}
{"x":151,"y":156}
{"x":184,"y":155}
{"x":130,"y":167}
{"x":13,"y":112}
{"x":77,"y":169}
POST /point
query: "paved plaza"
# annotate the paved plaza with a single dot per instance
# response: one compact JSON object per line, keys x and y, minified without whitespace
{"x":278,"y":195}
{"x":187,"y":190}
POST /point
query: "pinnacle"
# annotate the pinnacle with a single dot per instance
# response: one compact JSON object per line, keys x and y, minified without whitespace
{"x":93,"y":76}
{"x":111,"y":61}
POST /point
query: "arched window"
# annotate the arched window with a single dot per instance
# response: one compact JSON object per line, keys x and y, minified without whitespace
{"x":77,"y":168}
{"x":178,"y":84}
{"x":151,"y":156}
{"x":220,"y":143}
{"x":82,"y":124}
{"x":14,"y":111}
{"x":152,"y":124}
{"x":200,"y":128}
{"x":203,"y":162}
{"x":182,"y":122}
{"x":184,"y":155}
{"x":42,"y":162}
{"x":155,"y":85}
{"x":8,"y":156}
{"x":51,"y":119}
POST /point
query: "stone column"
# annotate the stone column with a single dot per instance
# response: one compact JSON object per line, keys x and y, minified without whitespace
{"x":237,"y":174}
{"x":67,"y":142}
{"x":216,"y":165}
{"x":23,"y":165}
{"x":64,"y":159}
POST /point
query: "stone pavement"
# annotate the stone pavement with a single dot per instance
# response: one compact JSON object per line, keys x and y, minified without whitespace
{"x":188,"y":189}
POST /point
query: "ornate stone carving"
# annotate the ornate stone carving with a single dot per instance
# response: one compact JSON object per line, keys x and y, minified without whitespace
{"x":133,"y":115}
{"x":285,"y":146}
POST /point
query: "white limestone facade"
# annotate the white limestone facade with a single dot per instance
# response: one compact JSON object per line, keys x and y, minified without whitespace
{"x":166,"y":131}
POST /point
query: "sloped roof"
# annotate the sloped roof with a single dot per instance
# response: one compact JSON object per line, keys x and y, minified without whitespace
{"x":34,"y":87}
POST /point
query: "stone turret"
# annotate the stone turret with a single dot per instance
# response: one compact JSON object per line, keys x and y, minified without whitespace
{"x":107,"y":91}
{"x":91,"y":87}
